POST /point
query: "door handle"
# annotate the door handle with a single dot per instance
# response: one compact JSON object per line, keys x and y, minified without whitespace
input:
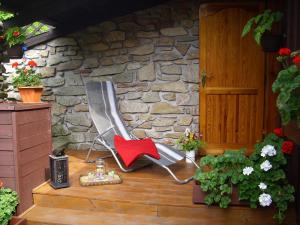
{"x":203,"y":77}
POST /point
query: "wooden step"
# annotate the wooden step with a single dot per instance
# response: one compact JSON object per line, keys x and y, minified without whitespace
{"x":51,"y":216}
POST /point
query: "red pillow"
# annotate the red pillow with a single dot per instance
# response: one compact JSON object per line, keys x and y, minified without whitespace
{"x":130,"y":150}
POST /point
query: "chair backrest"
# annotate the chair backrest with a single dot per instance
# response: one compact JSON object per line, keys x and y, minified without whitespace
{"x":103,"y":109}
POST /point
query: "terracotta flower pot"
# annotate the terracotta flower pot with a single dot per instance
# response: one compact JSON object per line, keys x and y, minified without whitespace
{"x":17,"y":221}
{"x":31,"y":94}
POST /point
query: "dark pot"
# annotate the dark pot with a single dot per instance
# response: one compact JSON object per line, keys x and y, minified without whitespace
{"x":17,"y":221}
{"x":271,"y":42}
{"x":199,"y":195}
{"x":15,"y":52}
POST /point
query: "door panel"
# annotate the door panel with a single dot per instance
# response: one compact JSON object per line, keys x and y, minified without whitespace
{"x":231,"y":103}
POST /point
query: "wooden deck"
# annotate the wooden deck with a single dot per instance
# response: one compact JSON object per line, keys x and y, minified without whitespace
{"x":147,"y":196}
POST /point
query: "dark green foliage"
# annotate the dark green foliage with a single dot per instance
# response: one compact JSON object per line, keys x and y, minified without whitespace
{"x":261,"y":23}
{"x":287,"y":85}
{"x":223,"y":171}
{"x":275,"y":178}
{"x":8,"y":203}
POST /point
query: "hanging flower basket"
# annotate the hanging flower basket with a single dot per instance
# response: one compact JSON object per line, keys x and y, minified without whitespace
{"x":15,"y":52}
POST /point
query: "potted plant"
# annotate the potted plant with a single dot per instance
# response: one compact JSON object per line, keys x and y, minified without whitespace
{"x":190,"y":143}
{"x":15,"y":37}
{"x":8,"y":202}
{"x":287,"y":85}
{"x":260,"y":179}
{"x":262,"y":25}
{"x":28,"y":81}
{"x":217,"y":177}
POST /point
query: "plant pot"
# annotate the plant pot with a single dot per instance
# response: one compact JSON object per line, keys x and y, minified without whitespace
{"x":31,"y":94}
{"x":271,"y":42}
{"x":199,"y":196}
{"x":190,"y":154}
{"x":15,"y":52}
{"x":17,"y":221}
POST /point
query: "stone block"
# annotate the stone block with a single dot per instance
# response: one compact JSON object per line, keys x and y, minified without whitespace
{"x":121,"y":59}
{"x":164,"y":108}
{"x":78,"y":119}
{"x":90,"y":63}
{"x":190,"y":73}
{"x":107,"y":26}
{"x":164,"y":42}
{"x":53,"y":82}
{"x":129,"y":26}
{"x":108,"y":70}
{"x":185,"y":120}
{"x":106,"y":61}
{"x":169,"y":77}
{"x":151,"y":97}
{"x":126,"y":77}
{"x":57,"y":109}
{"x":73,"y":79}
{"x":129,"y":43}
{"x":133,"y":107}
{"x":143,"y":50}
{"x":162,"y":122}
{"x":192,"y":53}
{"x":68,"y":100}
{"x":147,"y":34}
{"x":98,"y":47}
{"x":133,"y":66}
{"x":78,"y":128}
{"x":69,"y":91}
{"x":167,"y":56}
{"x":147,"y":73}
{"x":60,"y":130}
{"x":173,"y":31}
{"x":81,"y":108}
{"x":133,"y":95}
{"x":63,"y":41}
{"x":139,"y":133}
{"x":178,"y":86}
{"x":47,"y":71}
{"x":115,"y":36}
{"x":70,"y":65}
{"x":173,"y":135}
{"x":171,"y":69}
{"x":154,"y":134}
{"x":187,"y":99}
{"x":169,"y":96}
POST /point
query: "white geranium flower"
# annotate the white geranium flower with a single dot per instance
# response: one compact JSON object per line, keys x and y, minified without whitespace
{"x":266,"y":165}
{"x":265,"y":199}
{"x":187,"y":132}
{"x":262,"y":186}
{"x":268,"y":150}
{"x":248,"y":170}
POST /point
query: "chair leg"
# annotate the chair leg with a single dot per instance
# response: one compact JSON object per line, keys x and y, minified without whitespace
{"x":176,"y":178}
{"x":90,"y":151}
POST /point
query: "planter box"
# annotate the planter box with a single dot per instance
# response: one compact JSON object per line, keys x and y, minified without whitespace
{"x":199,"y":195}
{"x":17,"y":221}
{"x":25,"y":143}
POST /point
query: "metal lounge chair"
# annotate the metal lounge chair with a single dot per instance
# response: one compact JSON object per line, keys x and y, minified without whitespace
{"x":103,"y":109}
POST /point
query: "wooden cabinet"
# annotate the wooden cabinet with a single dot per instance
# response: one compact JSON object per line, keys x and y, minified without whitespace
{"x":25,"y":143}
{"x":232,"y":100}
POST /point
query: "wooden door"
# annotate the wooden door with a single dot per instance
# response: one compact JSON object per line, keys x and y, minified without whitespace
{"x":232,"y":100}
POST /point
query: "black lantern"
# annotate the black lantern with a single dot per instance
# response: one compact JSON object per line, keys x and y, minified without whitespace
{"x":59,"y":168}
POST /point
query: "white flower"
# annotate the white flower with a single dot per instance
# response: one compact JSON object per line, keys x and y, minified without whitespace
{"x":268,"y":150}
{"x":248,"y":170}
{"x":266,"y":165}
{"x":187,"y":132}
{"x":262,"y":186}
{"x":265,"y":199}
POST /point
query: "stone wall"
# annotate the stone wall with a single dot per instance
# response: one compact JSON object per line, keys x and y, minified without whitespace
{"x":151,"y":55}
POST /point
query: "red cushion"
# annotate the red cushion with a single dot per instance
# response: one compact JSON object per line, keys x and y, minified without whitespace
{"x":130,"y":150}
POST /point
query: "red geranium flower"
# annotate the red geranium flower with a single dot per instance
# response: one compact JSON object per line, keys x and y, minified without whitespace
{"x":1,"y":183}
{"x":296,"y":59}
{"x":15,"y":65}
{"x":284,"y":51}
{"x":16,"y":33}
{"x":287,"y":147}
{"x":278,"y":131}
{"x":32,"y":63}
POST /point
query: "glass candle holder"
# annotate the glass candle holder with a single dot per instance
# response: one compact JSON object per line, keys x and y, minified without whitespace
{"x":100,"y":168}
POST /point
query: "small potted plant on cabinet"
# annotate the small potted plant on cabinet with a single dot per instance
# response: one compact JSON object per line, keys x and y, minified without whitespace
{"x":262,"y":25}
{"x":190,"y":143}
{"x":28,"y":81}
{"x":8,"y":202}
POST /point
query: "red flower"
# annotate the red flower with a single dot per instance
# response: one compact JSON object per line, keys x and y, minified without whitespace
{"x":1,"y":38}
{"x":1,"y":183}
{"x":15,"y":65}
{"x":287,"y":147}
{"x":16,"y":33}
{"x":32,"y":63}
{"x":278,"y":131}
{"x":296,"y":59}
{"x":284,"y":51}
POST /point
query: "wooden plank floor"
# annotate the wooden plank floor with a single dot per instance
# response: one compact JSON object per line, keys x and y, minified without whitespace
{"x":146,"y":196}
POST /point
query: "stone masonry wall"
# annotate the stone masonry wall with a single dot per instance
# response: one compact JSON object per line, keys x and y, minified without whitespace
{"x":151,"y":55}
